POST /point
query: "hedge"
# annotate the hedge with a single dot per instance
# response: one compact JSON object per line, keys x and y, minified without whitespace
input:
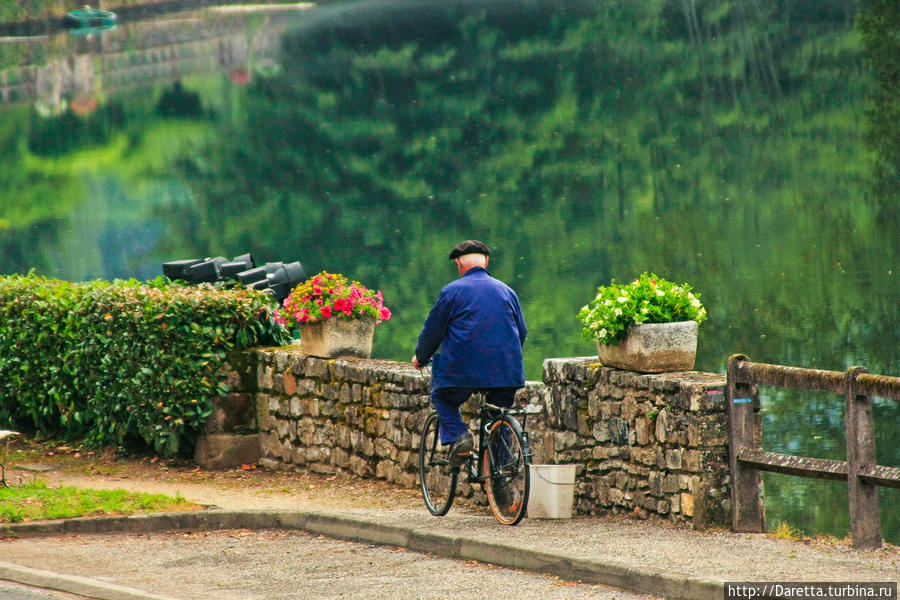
{"x":116,"y":363}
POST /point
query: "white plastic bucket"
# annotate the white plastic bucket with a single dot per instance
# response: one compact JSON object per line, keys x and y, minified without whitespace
{"x":552,"y":491}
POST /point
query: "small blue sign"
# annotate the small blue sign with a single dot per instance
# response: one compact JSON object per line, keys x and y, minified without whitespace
{"x":741,"y":400}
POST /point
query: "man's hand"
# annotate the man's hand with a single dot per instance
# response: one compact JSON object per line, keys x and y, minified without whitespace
{"x":415,"y":362}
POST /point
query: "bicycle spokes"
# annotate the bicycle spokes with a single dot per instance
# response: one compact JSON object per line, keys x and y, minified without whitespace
{"x":506,"y":472}
{"x":438,"y":480}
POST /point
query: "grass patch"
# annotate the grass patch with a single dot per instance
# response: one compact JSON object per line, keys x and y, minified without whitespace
{"x":36,"y":501}
{"x":784,"y":531}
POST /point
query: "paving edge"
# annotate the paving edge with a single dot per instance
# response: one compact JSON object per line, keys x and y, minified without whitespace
{"x":644,"y":580}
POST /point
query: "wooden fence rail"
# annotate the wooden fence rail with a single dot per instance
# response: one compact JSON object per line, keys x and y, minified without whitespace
{"x":860,"y":470}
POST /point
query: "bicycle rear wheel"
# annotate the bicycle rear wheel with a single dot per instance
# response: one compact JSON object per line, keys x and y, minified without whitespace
{"x":438,"y":479}
{"x":505,"y":469}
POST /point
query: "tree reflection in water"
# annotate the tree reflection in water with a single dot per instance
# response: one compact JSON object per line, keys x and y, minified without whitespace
{"x":584,"y":141}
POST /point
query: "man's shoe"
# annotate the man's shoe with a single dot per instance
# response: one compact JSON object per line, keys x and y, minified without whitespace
{"x":460,"y":449}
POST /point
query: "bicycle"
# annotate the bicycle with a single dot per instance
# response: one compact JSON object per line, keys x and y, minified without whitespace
{"x":501,"y":467}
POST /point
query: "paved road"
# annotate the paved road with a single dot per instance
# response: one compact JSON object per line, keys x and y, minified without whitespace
{"x":275,"y":565}
{"x":263,"y":543}
{"x":12,"y":591}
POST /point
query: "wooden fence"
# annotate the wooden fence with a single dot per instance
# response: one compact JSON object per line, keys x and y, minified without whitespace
{"x":860,"y":470}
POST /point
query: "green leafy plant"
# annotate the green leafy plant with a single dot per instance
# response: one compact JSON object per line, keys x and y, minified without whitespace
{"x":647,"y":299}
{"x":331,"y":295}
{"x":115,"y":363}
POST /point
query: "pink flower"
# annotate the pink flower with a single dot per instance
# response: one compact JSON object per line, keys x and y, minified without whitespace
{"x":326,"y":311}
{"x":385,"y":313}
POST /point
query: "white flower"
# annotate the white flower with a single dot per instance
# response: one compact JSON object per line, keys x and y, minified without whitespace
{"x":622,"y":299}
{"x":618,"y":312}
{"x":603,"y":333}
{"x":660,"y":293}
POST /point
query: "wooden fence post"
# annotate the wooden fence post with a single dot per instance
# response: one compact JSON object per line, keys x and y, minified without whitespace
{"x":865,"y":519}
{"x":747,"y":508}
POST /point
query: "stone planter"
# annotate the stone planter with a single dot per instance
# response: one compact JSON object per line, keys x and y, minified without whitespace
{"x":338,"y":337}
{"x":653,"y":348}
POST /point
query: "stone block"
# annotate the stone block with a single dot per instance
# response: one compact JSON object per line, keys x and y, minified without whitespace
{"x":671,"y":484}
{"x":629,"y":408}
{"x":272,"y":464}
{"x":264,"y":374}
{"x":264,"y":420}
{"x":306,"y":387}
{"x":309,"y":406}
{"x":600,"y":431}
{"x":360,"y":466}
{"x":383,"y":469}
{"x":322,"y":468}
{"x":660,"y":426}
{"x":384,"y":449}
{"x":673,"y":459}
{"x":340,"y":458}
{"x":593,"y":406}
{"x":316,"y":367}
{"x":642,"y":430}
{"x":616,"y":496}
{"x":687,"y":504}
{"x":328,"y":392}
{"x":284,"y":408}
{"x":227,"y":450}
{"x":709,"y":430}
{"x":691,"y":460}
{"x":342,"y":436}
{"x":270,"y":445}
{"x":289,"y":383}
{"x":296,"y":408}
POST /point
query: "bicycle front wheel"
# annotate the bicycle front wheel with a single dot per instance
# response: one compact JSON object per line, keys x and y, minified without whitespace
{"x":505,"y":469}
{"x":438,"y":479}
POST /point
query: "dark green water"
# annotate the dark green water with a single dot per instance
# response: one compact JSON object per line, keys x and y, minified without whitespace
{"x":745,"y":148}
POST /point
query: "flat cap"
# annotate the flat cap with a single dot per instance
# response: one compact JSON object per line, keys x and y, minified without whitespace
{"x":469,"y":247}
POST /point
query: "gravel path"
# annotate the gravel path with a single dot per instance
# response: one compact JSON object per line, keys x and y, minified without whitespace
{"x":274,"y":565}
{"x":293,"y":564}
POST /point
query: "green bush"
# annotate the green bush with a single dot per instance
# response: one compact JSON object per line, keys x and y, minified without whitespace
{"x":112,"y":363}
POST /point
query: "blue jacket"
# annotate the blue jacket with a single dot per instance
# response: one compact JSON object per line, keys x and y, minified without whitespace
{"x":478,"y":324}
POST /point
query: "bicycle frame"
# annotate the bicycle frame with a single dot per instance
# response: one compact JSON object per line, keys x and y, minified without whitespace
{"x":487,"y":416}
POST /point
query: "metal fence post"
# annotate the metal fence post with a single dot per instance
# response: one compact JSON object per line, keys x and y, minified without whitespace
{"x":747,"y":507}
{"x":865,"y":519}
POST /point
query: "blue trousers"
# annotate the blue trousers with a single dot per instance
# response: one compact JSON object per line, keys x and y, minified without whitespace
{"x":447,"y":400}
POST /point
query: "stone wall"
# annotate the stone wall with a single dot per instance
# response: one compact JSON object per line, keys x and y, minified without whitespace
{"x":644,"y":444}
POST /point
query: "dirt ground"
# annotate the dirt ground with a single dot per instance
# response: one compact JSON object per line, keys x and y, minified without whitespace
{"x":72,"y":465}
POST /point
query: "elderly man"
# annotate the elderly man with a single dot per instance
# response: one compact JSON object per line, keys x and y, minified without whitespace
{"x":477,"y":322}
